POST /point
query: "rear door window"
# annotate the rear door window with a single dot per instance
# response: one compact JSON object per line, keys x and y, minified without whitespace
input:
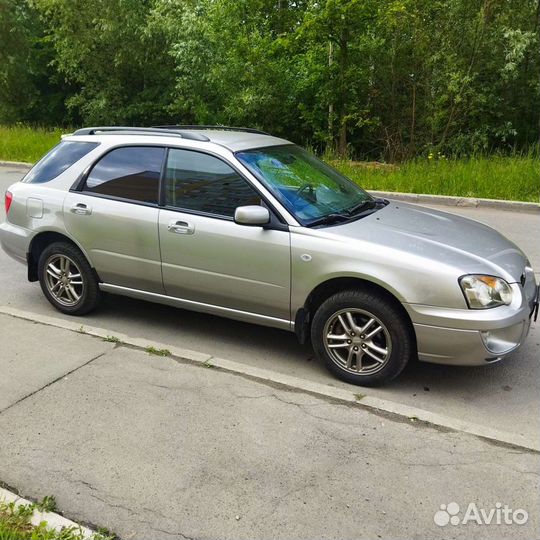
{"x":59,"y":159}
{"x":130,"y":173}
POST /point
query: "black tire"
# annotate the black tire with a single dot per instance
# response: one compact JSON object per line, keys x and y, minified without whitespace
{"x":88,"y":291}
{"x":395,"y":337}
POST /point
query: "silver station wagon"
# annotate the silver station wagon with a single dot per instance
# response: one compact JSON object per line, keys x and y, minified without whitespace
{"x":238,"y":223}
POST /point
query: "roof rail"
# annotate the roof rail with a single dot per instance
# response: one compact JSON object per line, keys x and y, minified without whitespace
{"x":223,"y":128}
{"x":127,"y":130}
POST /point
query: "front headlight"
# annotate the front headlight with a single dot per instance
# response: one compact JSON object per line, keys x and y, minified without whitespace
{"x":482,"y":292}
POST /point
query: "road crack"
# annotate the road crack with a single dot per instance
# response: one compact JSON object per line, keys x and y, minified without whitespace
{"x":24,"y":398}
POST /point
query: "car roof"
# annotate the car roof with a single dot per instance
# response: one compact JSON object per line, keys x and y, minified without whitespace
{"x":235,"y":139}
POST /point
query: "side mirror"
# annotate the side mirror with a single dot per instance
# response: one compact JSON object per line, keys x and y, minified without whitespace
{"x":252,"y":215}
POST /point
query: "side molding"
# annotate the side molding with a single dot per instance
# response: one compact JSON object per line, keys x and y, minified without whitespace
{"x":192,"y":305}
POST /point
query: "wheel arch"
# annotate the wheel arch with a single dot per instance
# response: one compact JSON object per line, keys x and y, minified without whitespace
{"x":327,"y":288}
{"x":40,"y":241}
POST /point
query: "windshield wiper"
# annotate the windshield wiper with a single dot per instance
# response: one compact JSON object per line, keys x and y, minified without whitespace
{"x":328,"y":219}
{"x":364,"y":205}
{"x":347,"y":215}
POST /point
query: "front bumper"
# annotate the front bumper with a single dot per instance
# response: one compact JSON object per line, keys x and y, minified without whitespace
{"x":474,"y":337}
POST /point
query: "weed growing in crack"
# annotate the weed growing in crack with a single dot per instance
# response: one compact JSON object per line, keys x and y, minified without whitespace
{"x":157,"y":352}
{"x":112,"y":339}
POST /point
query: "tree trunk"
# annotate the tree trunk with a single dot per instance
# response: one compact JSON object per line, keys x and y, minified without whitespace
{"x":413,"y":121}
{"x":477,"y":40}
{"x":343,"y":91}
{"x":330,"y":102}
{"x":342,"y":144}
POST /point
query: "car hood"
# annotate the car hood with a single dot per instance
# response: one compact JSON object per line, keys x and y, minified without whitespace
{"x":439,"y":236}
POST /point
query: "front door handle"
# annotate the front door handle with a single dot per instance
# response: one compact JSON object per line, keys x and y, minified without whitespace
{"x":81,"y":209}
{"x":180,"y":227}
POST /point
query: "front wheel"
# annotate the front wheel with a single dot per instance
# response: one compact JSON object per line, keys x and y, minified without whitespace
{"x":362,"y":337}
{"x":67,"y":280}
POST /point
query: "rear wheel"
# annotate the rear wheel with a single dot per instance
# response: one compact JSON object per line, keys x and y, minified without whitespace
{"x":67,"y":279}
{"x":363,"y":338}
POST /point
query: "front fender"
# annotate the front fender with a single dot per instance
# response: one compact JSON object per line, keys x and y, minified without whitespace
{"x":408,"y":277}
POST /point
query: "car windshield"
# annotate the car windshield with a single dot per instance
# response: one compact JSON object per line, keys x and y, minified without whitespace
{"x":307,"y":187}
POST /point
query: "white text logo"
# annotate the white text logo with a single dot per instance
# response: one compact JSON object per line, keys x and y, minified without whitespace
{"x":451,"y":514}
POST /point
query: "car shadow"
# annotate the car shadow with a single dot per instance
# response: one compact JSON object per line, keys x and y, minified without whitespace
{"x":172,"y":321}
{"x":278,"y":349}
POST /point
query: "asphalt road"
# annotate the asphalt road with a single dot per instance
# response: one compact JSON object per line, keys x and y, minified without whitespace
{"x":153,"y":449}
{"x":505,"y":396}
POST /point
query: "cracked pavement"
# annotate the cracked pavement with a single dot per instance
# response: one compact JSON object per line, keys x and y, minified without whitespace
{"x":152,"y":448}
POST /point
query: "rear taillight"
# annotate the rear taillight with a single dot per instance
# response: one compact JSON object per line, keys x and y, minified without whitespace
{"x":9,"y":198}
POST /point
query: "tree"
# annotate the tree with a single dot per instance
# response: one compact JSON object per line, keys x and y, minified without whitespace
{"x":377,"y":79}
{"x":121,"y":70}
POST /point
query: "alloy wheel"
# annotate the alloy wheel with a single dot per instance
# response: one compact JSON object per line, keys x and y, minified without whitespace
{"x":64,"y":280}
{"x":357,"y":341}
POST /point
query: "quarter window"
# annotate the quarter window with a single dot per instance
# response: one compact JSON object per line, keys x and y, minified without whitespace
{"x":58,"y":160}
{"x":128,"y":173}
{"x":204,"y":183}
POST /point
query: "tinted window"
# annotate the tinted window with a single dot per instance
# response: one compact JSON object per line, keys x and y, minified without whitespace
{"x":197,"y":181}
{"x":129,"y":173}
{"x":60,"y":158}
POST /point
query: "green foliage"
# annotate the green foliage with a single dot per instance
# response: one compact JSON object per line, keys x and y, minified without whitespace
{"x":494,"y":177}
{"x":23,"y":143}
{"x":30,"y":90}
{"x":112,"y":339}
{"x":15,"y":524}
{"x":47,"y":504}
{"x":14,"y":51}
{"x":369,"y":79}
{"x":121,"y":70}
{"x":157,"y":352}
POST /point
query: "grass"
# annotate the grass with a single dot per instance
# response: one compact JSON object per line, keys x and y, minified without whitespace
{"x":156,"y":352}
{"x":15,"y":524}
{"x":47,"y":504}
{"x":493,"y":177}
{"x":112,"y":339}
{"x":20,"y":143}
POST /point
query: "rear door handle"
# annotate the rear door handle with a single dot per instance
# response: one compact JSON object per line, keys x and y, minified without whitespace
{"x":180,"y":227}
{"x":81,"y":209}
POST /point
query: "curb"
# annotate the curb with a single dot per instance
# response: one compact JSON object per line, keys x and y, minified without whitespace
{"x":464,"y":202}
{"x":371,"y":403}
{"x":54,"y":521}
{"x":16,"y":163}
